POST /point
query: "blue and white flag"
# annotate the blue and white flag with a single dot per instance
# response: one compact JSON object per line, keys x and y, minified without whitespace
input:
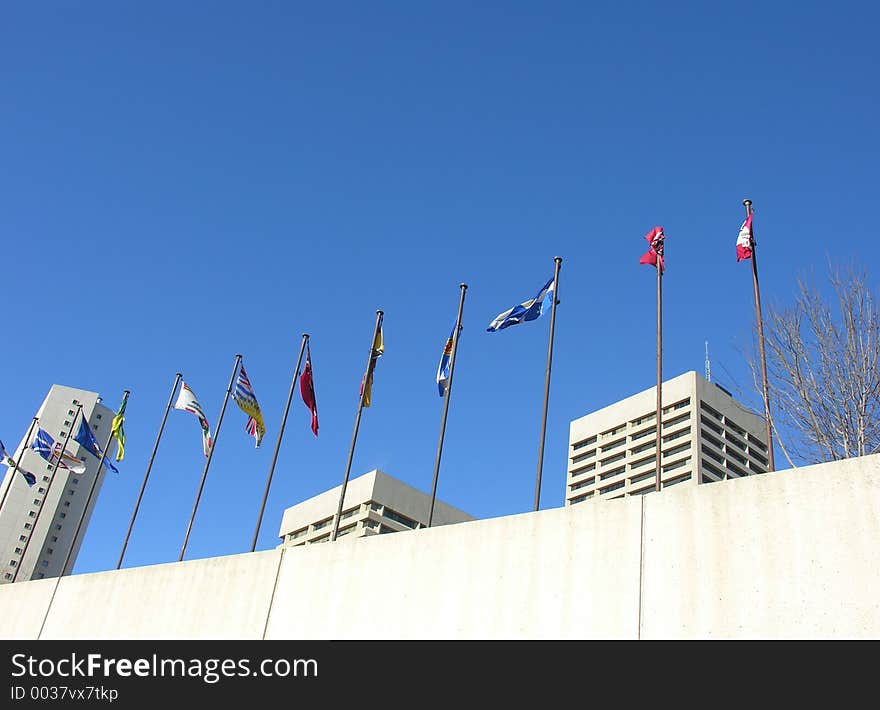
{"x":86,"y":439}
{"x":50,"y":450}
{"x":527,"y":310}
{"x":9,"y":461}
{"x":443,"y":368}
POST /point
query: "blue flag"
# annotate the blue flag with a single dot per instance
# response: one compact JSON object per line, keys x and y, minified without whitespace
{"x":443,"y":368}
{"x":86,"y":439}
{"x":527,"y":310}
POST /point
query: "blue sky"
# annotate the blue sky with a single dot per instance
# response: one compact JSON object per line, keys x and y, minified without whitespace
{"x":187,"y":181}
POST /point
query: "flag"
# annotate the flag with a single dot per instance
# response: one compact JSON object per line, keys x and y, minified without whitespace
{"x":527,"y":310}
{"x":744,"y":241}
{"x":247,"y":401}
{"x":307,"y":390}
{"x":86,"y":439}
{"x":443,"y":367}
{"x":378,"y":349}
{"x":187,"y":401}
{"x":9,"y":461}
{"x":50,"y":450}
{"x":654,"y":255}
{"x":117,"y":431}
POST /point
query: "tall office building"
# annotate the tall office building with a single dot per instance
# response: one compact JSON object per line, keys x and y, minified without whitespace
{"x":38,"y":522}
{"x":375,"y":503}
{"x":706,"y":436}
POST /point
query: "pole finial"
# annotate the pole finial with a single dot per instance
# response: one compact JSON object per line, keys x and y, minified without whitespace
{"x":747,"y":202}
{"x":379,"y":312}
{"x":305,"y":335}
{"x":557,"y":259}
{"x":125,"y":392}
{"x":462,"y":285}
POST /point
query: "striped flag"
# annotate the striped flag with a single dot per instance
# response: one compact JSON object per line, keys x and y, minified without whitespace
{"x":443,"y":367}
{"x":247,"y":401}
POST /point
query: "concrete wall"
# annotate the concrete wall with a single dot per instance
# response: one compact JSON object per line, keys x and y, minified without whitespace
{"x":793,"y":554}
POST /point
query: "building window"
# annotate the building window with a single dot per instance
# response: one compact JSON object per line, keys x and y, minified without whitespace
{"x":36,"y":501}
{"x":676,"y":450}
{"x":584,"y":442}
{"x":22,"y":538}
{"x":46,"y":478}
{"x":398,"y":518}
{"x":32,"y":514}
{"x":612,"y":487}
{"x":383,"y":529}
{"x":677,"y":464}
{"x":45,"y":563}
{"x":680,"y":479}
{"x":70,"y":492}
{"x":54,"y":538}
{"x":376,"y":506}
{"x":371,"y":524}
{"x":41,"y":490}
{"x":27,"y":526}
{"x":71,"y":412}
{"x":8,"y":576}
{"x":40,"y":575}
{"x":49,"y":550}
{"x":582,"y":484}
{"x":13,"y":563}
{"x":67,"y":504}
{"x":584,"y":456}
{"x":711,"y":411}
{"x":643,"y":477}
{"x":75,"y":401}
{"x":18,"y":550}
{"x":322,"y":524}
{"x":581,"y":499}
{"x":349,"y":513}
{"x":66,"y":423}
{"x":613,"y":445}
{"x":583,"y":469}
{"x":98,"y":416}
{"x":62,"y":515}
{"x":610,"y":474}
{"x":76,"y":480}
{"x":58,"y":527}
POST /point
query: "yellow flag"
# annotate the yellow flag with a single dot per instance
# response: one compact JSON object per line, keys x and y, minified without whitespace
{"x":117,"y":431}
{"x":378,"y":349}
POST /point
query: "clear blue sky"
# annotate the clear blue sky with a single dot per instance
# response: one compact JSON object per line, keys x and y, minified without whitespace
{"x":182,"y":182}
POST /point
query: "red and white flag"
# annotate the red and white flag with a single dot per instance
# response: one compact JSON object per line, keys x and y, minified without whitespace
{"x":654,"y":255}
{"x":744,"y":240}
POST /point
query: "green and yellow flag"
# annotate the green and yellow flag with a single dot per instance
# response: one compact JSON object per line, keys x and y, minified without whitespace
{"x":117,"y":431}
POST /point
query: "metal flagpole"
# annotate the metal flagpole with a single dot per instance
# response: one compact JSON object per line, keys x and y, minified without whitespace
{"x":210,"y":456}
{"x":446,"y":398}
{"x":558,"y":260}
{"x":46,"y":495}
{"x":760,"y":324}
{"x":177,"y":378}
{"x":18,"y":463}
{"x":659,"y":435}
{"x":92,"y":489}
{"x":302,"y":347}
{"x":357,"y":421}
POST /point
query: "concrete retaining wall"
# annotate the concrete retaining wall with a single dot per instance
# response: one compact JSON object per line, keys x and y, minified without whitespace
{"x":794,"y":554}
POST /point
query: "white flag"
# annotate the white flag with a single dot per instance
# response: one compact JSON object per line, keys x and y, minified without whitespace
{"x":187,"y":401}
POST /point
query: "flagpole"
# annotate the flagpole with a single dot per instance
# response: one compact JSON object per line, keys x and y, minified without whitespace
{"x":357,"y":422}
{"x":760,"y":324}
{"x":659,"y":435}
{"x":46,"y":495}
{"x":27,"y":438}
{"x":125,"y":394}
{"x":446,"y":399}
{"x":137,"y":505}
{"x":302,"y":348}
{"x":210,"y":456}
{"x":558,"y":260}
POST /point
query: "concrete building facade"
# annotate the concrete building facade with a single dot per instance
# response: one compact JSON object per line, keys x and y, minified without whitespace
{"x":375,"y":503}
{"x":38,"y":523}
{"x":707,"y":436}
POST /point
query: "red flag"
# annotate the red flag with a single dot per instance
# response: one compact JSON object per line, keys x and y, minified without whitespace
{"x":654,"y":255}
{"x":744,"y":241}
{"x":307,"y":390}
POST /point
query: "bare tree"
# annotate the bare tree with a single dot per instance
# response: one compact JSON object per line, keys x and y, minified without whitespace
{"x":823,"y":361}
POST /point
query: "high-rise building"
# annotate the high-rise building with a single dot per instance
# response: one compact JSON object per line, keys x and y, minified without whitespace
{"x":706,"y":436}
{"x":375,"y":503}
{"x":38,"y":522}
